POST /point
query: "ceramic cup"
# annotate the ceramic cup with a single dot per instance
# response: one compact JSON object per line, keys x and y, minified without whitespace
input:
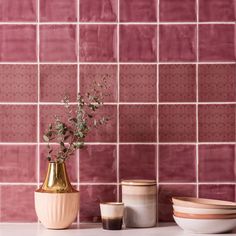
{"x":112,"y":215}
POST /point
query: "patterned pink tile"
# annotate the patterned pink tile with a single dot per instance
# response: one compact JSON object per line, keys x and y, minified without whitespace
{"x":54,"y":10}
{"x":91,"y":73}
{"x":18,"y":83}
{"x":99,"y":10}
{"x":166,"y":192}
{"x":98,"y":43}
{"x":177,"y":123}
{"x":138,"y":11}
{"x":90,"y":198}
{"x":58,"y":43}
{"x":178,"y":10}
{"x":177,"y":163}
{"x":211,"y":158}
{"x":138,"y":83}
{"x":72,"y":164}
{"x":220,"y":192}
{"x":177,"y":42}
{"x":56,"y":81}
{"x":217,"y":83}
{"x":18,"y":123}
{"x":23,"y":10}
{"x":138,"y":43}
{"x":98,"y":164}
{"x":217,"y":10}
{"x":216,"y":123}
{"x":137,"y":162}
{"x":17,"y":204}
{"x":216,"y":42}
{"x":18,"y":163}
{"x":138,"y":123}
{"x":18,"y":43}
{"x":177,"y":83}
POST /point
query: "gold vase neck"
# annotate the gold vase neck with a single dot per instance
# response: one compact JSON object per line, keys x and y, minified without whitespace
{"x":57,"y":180}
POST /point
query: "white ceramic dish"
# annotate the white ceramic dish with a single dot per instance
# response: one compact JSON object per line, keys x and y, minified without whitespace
{"x":206,"y":226}
{"x":191,"y":210}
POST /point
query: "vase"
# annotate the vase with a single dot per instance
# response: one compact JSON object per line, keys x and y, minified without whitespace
{"x":56,"y":201}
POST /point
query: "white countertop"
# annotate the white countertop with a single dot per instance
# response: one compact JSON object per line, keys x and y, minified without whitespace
{"x":34,"y":229}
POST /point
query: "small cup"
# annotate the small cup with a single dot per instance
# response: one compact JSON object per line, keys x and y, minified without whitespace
{"x":112,"y":215}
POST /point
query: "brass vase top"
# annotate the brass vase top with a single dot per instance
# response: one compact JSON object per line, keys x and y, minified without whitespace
{"x":57,"y":180}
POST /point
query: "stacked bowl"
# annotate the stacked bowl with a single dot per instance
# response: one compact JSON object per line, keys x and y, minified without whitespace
{"x":200,"y":215}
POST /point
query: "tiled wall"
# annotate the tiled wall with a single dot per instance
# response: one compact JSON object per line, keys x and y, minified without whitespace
{"x":173,"y":97}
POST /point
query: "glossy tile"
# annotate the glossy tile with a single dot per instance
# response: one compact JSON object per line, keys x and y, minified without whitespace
{"x":177,"y":163}
{"x":216,"y":123}
{"x":137,"y":162}
{"x":177,"y":43}
{"x":216,"y":42}
{"x":98,"y":164}
{"x":17,"y":43}
{"x":58,"y":43}
{"x":99,"y":10}
{"x":177,"y":83}
{"x":56,"y":81}
{"x":177,"y":123}
{"x":90,"y":198}
{"x":138,"y":123}
{"x":18,"y":83}
{"x":18,"y":123}
{"x":138,"y":43}
{"x":97,"y":43}
{"x":138,"y":10}
{"x":217,"y":83}
{"x":54,"y":10}
{"x":18,"y":163}
{"x":178,"y":10}
{"x":96,"y":72}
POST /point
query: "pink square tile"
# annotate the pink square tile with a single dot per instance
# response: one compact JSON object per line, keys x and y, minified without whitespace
{"x":217,"y":83}
{"x":217,"y":10}
{"x":58,"y":43}
{"x":177,"y":123}
{"x":56,"y":81}
{"x":18,"y":43}
{"x":18,"y":163}
{"x":18,"y":83}
{"x":90,"y":198}
{"x":216,"y":42}
{"x":98,"y":164}
{"x":177,"y":83}
{"x":23,"y":10}
{"x":18,"y":123}
{"x":98,"y":43}
{"x":17,"y":204}
{"x":138,"y":83}
{"x":138,"y":10}
{"x":178,"y":10}
{"x":138,"y":43}
{"x":216,"y":123}
{"x":137,"y":162}
{"x":138,"y":123}
{"x":177,"y":163}
{"x":166,"y":192}
{"x":96,"y":72}
{"x":72,"y":164}
{"x":178,"y":43}
{"x":216,"y":163}
{"x":224,"y":192}
{"x":54,"y":10}
{"x":99,"y":10}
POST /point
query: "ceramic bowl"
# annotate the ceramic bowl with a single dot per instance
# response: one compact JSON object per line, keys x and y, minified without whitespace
{"x":205,"y":226}
{"x":204,"y":216}
{"x":203,"y":203}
